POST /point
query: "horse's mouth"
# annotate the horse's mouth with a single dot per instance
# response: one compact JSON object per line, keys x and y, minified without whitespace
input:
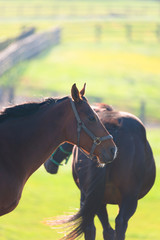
{"x":106,"y":158}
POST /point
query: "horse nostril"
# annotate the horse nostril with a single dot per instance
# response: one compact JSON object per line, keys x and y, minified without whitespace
{"x":113,"y":151}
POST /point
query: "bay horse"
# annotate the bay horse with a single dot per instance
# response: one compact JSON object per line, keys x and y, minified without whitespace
{"x":123,"y":182}
{"x":30,"y":132}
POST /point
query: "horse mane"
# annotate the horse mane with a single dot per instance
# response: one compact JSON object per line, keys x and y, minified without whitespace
{"x":108,"y":114}
{"x":25,"y":109}
{"x":103,"y":107}
{"x":116,"y":119}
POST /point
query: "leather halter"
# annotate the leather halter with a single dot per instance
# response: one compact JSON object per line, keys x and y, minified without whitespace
{"x":80,"y":125}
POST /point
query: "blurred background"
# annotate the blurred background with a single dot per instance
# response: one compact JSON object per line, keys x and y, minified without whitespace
{"x":113,"y":46}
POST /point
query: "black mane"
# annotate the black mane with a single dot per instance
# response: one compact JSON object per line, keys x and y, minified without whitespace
{"x":24,"y":109}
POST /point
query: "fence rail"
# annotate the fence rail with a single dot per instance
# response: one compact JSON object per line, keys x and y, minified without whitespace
{"x":111,"y":31}
{"x":80,"y":8}
{"x":27,"y":48}
{"x":25,"y":33}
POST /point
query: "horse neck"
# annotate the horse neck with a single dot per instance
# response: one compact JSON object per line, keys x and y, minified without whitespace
{"x":43,"y":135}
{"x":53,"y":129}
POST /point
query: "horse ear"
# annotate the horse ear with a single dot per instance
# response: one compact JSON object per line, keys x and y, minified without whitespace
{"x":75,"y":93}
{"x":82,"y":92}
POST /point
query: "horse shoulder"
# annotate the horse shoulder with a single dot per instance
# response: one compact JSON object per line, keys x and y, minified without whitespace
{"x":10,"y":187}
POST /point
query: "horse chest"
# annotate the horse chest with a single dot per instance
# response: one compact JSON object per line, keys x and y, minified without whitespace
{"x":10,"y":193}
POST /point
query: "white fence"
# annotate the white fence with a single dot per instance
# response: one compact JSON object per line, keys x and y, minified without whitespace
{"x":27,"y":48}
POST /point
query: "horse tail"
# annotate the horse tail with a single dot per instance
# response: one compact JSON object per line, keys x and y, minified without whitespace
{"x":93,"y":198}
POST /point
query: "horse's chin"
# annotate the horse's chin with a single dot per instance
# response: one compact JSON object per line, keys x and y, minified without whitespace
{"x":97,"y":162}
{"x":104,"y":159}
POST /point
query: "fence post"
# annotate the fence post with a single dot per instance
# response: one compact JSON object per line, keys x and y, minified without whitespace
{"x":98,"y":33}
{"x":142,"y":114}
{"x":129,"y":32}
{"x":11,"y":94}
{"x":158,"y":32}
{"x":1,"y":94}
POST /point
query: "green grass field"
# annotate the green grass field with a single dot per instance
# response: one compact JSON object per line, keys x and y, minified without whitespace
{"x":46,"y":196}
{"x":117,"y":71}
{"x":121,"y":74}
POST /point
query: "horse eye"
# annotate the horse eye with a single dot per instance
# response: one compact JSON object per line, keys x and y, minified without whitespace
{"x":92,"y":118}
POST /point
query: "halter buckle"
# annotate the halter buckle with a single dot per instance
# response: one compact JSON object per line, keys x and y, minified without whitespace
{"x":97,"y":141}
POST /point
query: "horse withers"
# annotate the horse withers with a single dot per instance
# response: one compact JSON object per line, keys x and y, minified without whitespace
{"x":123,"y":182}
{"x":30,"y":132}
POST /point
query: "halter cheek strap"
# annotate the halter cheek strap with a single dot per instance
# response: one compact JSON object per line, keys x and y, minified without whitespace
{"x":80,"y":125}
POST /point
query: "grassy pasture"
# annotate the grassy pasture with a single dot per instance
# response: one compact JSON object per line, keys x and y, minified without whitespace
{"x":117,"y":71}
{"x":46,"y":196}
{"x":120,"y":74}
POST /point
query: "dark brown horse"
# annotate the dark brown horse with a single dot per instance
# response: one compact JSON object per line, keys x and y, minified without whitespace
{"x":128,"y":178}
{"x":29,"y":133}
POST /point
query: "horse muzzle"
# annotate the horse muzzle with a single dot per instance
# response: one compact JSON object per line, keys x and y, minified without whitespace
{"x":108,"y":156}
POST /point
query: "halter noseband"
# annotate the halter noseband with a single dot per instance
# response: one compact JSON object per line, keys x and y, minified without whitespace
{"x":80,"y":125}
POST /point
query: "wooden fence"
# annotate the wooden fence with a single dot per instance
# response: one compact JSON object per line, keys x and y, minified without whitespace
{"x":25,"y":33}
{"x":27,"y":48}
{"x":53,"y":9}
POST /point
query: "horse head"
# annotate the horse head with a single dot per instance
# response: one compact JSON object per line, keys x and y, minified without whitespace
{"x":92,"y":137}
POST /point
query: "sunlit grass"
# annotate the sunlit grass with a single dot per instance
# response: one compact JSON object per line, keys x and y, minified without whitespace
{"x":117,"y":71}
{"x":120,"y":74}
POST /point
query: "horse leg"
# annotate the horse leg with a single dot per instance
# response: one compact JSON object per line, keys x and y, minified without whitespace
{"x":90,"y":230}
{"x":127,"y":209}
{"x":108,"y":232}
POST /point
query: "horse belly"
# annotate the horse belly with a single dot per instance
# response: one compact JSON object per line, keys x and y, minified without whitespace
{"x":112,"y":195}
